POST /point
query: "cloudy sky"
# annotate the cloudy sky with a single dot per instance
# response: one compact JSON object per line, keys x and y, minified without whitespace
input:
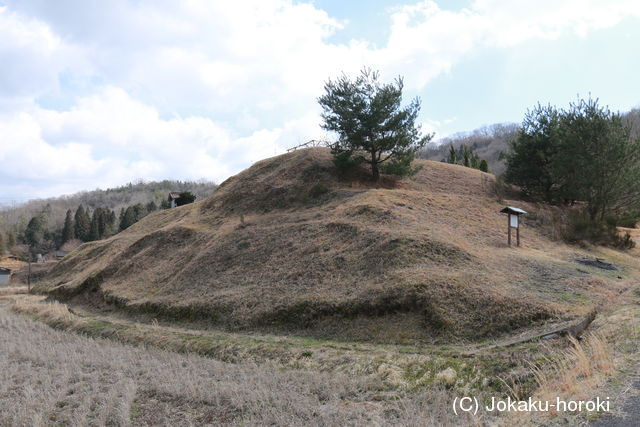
{"x":100,"y":93}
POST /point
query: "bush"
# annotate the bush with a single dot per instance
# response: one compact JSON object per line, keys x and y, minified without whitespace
{"x":629,"y":219}
{"x":185,"y":198}
{"x":345,"y":162}
{"x":496,"y":187}
{"x":625,"y":242}
{"x":318,"y":190}
{"x":400,"y":167}
{"x":580,"y":227}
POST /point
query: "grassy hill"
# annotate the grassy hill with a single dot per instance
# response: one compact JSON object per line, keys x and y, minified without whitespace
{"x":289,"y":245}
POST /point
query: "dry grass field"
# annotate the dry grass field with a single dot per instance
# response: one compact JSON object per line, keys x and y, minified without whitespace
{"x":289,"y":245}
{"x":48,"y":377}
{"x":53,"y":377}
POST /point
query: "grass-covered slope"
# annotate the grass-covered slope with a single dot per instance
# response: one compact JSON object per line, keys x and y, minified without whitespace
{"x":288,"y":244}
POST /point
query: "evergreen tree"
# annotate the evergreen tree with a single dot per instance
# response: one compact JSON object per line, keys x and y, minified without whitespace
{"x":452,"y":155}
{"x":484,"y":166}
{"x":101,"y":219}
{"x":475,"y":160}
{"x":128,"y":219}
{"x":466,"y":156}
{"x":532,"y":152}
{"x":34,"y":233}
{"x":94,"y":229}
{"x":82,"y":224}
{"x":185,"y":198}
{"x":68,"y":232}
{"x":372,"y":126}
{"x":151,"y":206}
{"x":112,"y":222}
{"x":121,"y":220}
{"x":598,"y":159}
{"x":3,"y":248}
{"x":585,"y":153}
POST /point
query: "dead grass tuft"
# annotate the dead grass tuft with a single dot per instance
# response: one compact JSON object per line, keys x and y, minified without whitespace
{"x":574,"y":372}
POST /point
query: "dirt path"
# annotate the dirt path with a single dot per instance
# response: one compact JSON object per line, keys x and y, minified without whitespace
{"x":630,"y":416}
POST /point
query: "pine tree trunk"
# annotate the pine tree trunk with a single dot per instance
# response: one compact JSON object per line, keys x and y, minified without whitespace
{"x":375,"y":172}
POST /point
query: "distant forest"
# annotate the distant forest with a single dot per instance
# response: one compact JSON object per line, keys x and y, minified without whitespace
{"x":107,"y":208}
{"x":489,"y":142}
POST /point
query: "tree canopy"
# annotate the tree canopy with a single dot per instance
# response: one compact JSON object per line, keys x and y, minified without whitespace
{"x":68,"y":231}
{"x":371,"y":124}
{"x":185,"y":198}
{"x":584,"y":153}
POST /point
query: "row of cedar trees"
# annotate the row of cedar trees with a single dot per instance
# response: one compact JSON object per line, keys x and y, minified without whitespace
{"x":102,"y":223}
{"x":466,"y":156}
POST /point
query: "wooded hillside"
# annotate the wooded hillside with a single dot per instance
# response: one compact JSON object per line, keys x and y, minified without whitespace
{"x":489,"y":141}
{"x":16,"y":218}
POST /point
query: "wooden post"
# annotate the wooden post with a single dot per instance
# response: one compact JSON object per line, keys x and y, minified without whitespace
{"x":29,"y":275}
{"x":518,"y":233}
{"x":509,"y":228}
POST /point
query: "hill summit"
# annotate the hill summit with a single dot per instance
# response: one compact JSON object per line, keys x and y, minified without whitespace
{"x":289,"y":244}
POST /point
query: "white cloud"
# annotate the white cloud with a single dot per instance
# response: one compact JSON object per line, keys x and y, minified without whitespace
{"x":426,"y":40}
{"x":202,"y":88}
{"x":109,"y":139}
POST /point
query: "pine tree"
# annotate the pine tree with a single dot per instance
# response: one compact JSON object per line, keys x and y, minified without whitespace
{"x":151,"y":206}
{"x":121,"y":221}
{"x":94,"y":229}
{"x":112,"y":222}
{"x":452,"y":155}
{"x":139,"y":212}
{"x":466,"y":156}
{"x":2,"y":245}
{"x":128,"y":219}
{"x":82,"y":224}
{"x":484,"y":166}
{"x":475,"y":161}
{"x":101,"y":218}
{"x":34,"y":233}
{"x":371,"y":124}
{"x":68,"y":232}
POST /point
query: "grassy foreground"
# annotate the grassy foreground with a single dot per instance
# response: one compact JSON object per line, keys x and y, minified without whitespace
{"x":49,"y":377}
{"x":264,"y":379}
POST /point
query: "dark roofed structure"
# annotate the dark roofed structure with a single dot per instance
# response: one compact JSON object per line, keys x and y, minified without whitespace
{"x":61,"y":254}
{"x":173,"y":196}
{"x":513,"y":211}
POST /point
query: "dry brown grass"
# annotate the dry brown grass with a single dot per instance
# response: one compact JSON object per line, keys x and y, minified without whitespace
{"x":49,"y":377}
{"x":583,"y":366}
{"x":269,"y":251}
{"x":38,"y":271}
{"x":12,"y":290}
{"x":601,"y":365}
{"x":394,"y":368}
{"x":11,"y":263}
